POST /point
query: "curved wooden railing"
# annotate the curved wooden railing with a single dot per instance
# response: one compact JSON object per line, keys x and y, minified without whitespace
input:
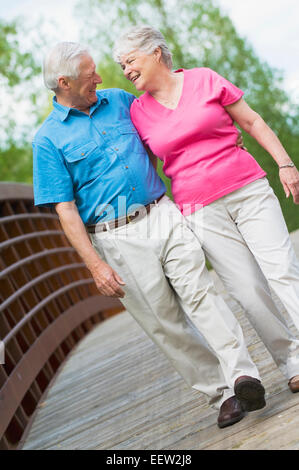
{"x":49,"y":302}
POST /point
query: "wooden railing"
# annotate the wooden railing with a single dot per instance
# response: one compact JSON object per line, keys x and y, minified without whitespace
{"x":49,"y":302}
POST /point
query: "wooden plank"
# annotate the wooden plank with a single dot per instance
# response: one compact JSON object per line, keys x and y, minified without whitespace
{"x":118,"y":391}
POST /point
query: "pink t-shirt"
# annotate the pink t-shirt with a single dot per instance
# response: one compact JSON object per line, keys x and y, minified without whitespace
{"x":197,"y":140}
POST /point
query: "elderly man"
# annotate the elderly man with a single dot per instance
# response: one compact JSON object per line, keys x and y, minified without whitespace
{"x":91,"y":165}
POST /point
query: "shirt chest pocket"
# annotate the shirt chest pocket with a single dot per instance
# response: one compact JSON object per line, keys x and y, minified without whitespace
{"x":85,"y":163}
{"x":130,"y":138}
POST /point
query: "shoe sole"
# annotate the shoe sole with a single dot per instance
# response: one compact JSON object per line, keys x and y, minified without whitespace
{"x":230,"y":422}
{"x":251,"y":395}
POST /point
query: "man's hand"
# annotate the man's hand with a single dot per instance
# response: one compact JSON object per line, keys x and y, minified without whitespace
{"x":289,"y":178}
{"x":107,"y":280}
{"x":240,"y":142}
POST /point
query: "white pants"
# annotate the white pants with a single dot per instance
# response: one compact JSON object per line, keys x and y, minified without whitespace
{"x":245,"y":238}
{"x":171,"y":295}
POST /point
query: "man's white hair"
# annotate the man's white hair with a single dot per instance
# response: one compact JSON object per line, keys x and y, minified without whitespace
{"x":63,"y":60}
{"x":144,"y":38}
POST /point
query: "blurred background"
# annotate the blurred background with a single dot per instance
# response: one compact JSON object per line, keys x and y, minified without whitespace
{"x":253,"y":44}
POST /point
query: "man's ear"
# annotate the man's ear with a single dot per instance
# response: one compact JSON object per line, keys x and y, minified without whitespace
{"x":63,"y":83}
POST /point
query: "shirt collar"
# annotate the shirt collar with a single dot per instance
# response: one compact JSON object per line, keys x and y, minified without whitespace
{"x":64,"y":111}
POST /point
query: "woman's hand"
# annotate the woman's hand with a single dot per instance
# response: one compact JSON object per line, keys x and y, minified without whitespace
{"x":289,"y":178}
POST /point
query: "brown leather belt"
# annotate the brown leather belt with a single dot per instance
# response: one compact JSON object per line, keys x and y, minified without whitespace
{"x":115,"y":223}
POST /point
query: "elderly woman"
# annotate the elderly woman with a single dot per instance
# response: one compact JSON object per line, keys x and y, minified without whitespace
{"x":186,"y":118}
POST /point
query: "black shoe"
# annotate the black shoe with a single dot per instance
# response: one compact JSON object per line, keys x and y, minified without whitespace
{"x":230,"y":412}
{"x":250,"y":393}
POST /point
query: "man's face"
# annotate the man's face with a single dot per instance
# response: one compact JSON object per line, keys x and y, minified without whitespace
{"x":83,"y":89}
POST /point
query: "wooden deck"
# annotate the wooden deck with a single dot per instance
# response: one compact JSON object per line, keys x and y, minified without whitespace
{"x":117,"y":391}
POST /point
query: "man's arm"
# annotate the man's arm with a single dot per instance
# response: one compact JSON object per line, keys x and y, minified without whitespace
{"x":152,"y":157}
{"x":107,"y":280}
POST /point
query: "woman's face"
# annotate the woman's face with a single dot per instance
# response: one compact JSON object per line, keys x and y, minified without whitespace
{"x":140,"y":68}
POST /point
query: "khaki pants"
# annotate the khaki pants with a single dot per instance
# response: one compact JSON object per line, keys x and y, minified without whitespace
{"x":171,"y":295}
{"x":245,"y":237}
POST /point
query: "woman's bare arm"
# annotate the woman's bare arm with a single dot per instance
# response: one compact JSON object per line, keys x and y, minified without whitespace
{"x":255,"y":126}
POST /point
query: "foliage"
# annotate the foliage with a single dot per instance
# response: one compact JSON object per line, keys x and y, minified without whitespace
{"x":16,"y":163}
{"x":16,"y":68}
{"x":198,"y":34}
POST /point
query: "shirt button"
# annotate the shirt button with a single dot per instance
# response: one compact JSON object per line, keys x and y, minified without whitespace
{"x":133,"y":189}
{"x":104,"y":132}
{"x":82,"y":154}
{"x":116,"y":150}
{"x":127,"y":166}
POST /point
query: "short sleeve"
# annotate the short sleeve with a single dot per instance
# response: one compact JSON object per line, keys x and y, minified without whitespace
{"x":134,"y":116}
{"x":133,"y":112}
{"x":129,"y":97}
{"x":52,"y":182}
{"x":227,"y":92}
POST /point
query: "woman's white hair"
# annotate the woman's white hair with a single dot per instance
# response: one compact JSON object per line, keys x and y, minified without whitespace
{"x":144,"y":38}
{"x":62,"y":60}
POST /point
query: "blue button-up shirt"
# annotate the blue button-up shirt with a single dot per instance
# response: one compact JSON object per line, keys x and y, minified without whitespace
{"x":98,"y":160}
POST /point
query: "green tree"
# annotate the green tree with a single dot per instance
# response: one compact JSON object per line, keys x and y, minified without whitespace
{"x":198,"y":34}
{"x":16,"y":68}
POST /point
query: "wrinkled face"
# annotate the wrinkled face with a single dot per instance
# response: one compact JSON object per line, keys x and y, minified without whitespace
{"x":140,"y":68}
{"x":83,"y":88}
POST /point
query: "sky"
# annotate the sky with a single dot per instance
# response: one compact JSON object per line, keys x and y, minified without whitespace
{"x":271,"y":26}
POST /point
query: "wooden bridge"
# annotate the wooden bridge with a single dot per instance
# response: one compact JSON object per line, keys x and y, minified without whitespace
{"x":115,"y":390}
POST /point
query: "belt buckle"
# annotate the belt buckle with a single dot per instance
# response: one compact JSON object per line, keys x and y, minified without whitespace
{"x":128,"y":219}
